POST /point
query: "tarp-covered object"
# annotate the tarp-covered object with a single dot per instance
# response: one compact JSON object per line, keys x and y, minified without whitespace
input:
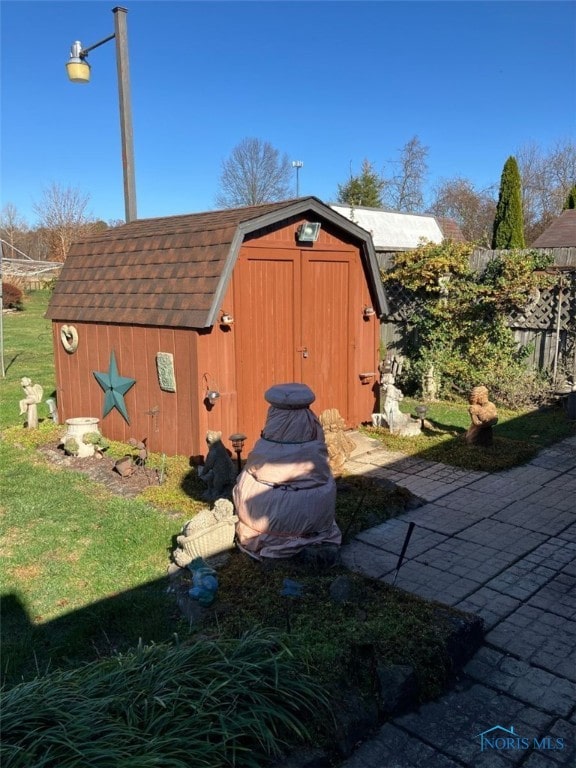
{"x":285,"y":497}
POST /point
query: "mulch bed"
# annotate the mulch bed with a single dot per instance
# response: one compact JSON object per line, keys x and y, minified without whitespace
{"x":100,"y":468}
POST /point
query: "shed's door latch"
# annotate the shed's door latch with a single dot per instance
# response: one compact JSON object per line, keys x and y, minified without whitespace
{"x":303,"y":350}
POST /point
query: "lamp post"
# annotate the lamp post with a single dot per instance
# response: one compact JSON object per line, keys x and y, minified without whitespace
{"x":421,"y":411}
{"x":79,"y":72}
{"x":297,"y":164}
{"x":237,"y":440}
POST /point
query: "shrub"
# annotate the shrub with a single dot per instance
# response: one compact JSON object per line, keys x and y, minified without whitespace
{"x":459,"y":324}
{"x":12,"y":297}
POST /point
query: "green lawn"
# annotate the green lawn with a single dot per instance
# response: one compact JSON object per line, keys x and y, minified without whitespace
{"x":27,"y":352}
{"x":68,"y":544}
{"x":518,"y":436}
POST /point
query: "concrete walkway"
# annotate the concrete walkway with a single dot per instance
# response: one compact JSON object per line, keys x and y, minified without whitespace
{"x":502,"y":546}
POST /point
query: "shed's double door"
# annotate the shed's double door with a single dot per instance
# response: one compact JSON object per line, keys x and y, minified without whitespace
{"x":292,"y":324}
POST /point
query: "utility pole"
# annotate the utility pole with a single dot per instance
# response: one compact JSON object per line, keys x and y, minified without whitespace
{"x":297,"y":164}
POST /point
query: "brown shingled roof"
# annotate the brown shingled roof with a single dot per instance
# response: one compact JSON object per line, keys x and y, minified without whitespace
{"x":560,"y":234}
{"x":450,"y":230}
{"x":171,"y":271}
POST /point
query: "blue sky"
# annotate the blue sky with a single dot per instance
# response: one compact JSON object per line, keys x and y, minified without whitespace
{"x":329,"y":83}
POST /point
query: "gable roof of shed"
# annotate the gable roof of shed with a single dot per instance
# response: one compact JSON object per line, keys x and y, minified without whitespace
{"x":174,"y":271}
{"x":561,"y":233}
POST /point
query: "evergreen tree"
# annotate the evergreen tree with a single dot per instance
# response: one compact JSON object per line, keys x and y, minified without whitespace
{"x":508,"y":231}
{"x":570,"y":201}
{"x":364,"y":189}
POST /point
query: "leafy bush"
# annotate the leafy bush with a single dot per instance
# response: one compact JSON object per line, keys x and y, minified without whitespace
{"x":12,"y":297}
{"x":226,"y":703}
{"x":460,"y":322}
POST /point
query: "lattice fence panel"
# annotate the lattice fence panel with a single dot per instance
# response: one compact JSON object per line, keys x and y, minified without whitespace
{"x":536,"y":326}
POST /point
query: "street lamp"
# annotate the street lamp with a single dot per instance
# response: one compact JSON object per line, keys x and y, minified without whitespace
{"x":79,"y":72}
{"x":297,"y":164}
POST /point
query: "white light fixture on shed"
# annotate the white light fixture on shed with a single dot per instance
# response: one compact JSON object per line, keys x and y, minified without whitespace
{"x":308,"y":232}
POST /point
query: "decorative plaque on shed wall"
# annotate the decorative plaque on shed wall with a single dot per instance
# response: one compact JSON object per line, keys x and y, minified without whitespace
{"x":165,"y":368}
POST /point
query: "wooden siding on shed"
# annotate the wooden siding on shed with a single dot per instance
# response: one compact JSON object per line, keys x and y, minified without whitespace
{"x":164,"y":418}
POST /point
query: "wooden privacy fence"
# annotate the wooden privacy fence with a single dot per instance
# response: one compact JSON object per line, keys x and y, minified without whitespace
{"x":546,"y":324}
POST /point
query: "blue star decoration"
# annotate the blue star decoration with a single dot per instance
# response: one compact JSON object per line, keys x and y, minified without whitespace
{"x":115,"y":387}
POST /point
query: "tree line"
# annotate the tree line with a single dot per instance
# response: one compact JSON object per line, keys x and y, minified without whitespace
{"x":62,"y":217}
{"x":534,"y":188}
{"x":542,"y":182}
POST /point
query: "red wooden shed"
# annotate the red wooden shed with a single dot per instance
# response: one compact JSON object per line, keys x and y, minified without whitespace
{"x":166,"y":310}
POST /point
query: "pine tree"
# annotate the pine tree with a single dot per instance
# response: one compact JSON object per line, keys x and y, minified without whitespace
{"x":364,"y":189}
{"x":508,"y":231}
{"x":570,"y":201}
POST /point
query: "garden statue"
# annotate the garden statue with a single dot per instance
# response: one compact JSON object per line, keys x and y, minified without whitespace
{"x":29,"y":404}
{"x":390,"y":415}
{"x":218,"y":471}
{"x":391,"y":405}
{"x":208,"y":534}
{"x":386,"y":375}
{"x":483,"y":415}
{"x":339,"y":444}
{"x":285,"y":497}
{"x":429,"y":385}
{"x":398,"y":423}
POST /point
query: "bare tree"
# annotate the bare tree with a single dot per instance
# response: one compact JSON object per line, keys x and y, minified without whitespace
{"x":254,"y":173}
{"x":13,"y":228}
{"x":472,"y":210}
{"x":404,"y":190}
{"x":546,"y":180}
{"x":62,"y":217}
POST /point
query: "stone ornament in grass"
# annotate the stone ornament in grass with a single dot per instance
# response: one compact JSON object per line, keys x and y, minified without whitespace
{"x":209,"y":533}
{"x":33,"y":394}
{"x":483,"y":415}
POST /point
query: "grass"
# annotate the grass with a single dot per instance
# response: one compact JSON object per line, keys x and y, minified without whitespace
{"x":518,"y":436}
{"x":84,"y":572}
{"x":393,"y":626}
{"x":72,"y":546}
{"x":27,"y":352}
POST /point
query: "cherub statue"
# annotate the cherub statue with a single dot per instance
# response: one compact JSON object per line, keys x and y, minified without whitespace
{"x":483,"y":415}
{"x":29,"y":404}
{"x":391,"y":405}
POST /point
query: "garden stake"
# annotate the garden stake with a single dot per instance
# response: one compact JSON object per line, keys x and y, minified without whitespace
{"x":411,"y":527}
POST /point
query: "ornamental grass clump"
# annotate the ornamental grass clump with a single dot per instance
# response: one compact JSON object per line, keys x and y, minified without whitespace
{"x":212,"y":704}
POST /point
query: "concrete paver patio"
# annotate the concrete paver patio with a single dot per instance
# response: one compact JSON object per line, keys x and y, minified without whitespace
{"x":503,"y":546}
